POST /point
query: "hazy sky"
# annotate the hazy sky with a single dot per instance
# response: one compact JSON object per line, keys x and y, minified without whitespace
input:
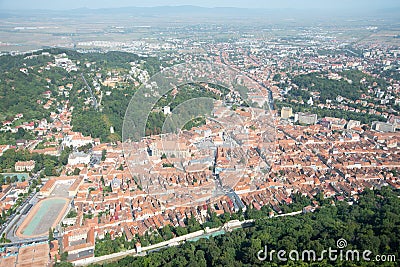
{"x":298,"y":4}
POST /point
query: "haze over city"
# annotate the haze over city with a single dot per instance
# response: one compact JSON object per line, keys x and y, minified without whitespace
{"x":269,"y":4}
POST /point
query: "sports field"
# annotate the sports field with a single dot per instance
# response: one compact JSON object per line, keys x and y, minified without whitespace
{"x":44,"y":215}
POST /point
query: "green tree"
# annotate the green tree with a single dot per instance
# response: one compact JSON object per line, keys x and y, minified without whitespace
{"x":103,"y":155}
{"x":180,"y":231}
{"x":277,"y":77}
{"x":65,"y":155}
{"x":51,"y":235}
{"x":193,"y":225}
{"x":166,"y":232}
{"x":77,"y":171}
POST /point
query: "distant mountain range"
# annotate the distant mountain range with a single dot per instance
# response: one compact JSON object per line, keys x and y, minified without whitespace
{"x":188,"y":10}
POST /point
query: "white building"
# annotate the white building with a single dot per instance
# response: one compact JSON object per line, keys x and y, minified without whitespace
{"x":167,"y":110}
{"x":78,"y":158}
{"x":21,"y":166}
{"x":383,"y":127}
{"x":76,"y":140}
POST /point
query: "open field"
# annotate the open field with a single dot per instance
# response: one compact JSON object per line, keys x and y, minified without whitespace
{"x":44,"y":215}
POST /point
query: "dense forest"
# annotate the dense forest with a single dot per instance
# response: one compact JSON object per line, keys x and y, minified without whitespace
{"x":20,"y":93}
{"x":97,"y":123}
{"x":371,"y":224}
{"x":186,"y":92}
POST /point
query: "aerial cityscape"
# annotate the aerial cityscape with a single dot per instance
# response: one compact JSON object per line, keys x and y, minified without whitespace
{"x":190,"y":134}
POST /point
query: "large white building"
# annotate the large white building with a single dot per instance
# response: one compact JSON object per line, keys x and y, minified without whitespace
{"x":286,"y":113}
{"x":21,"y":166}
{"x":306,"y":118}
{"x":76,"y":140}
{"x":383,"y":127}
{"x":76,"y":158}
{"x":170,"y":149}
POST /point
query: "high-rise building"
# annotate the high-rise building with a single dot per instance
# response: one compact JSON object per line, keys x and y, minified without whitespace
{"x":306,"y":118}
{"x":286,"y":113}
{"x":383,"y":126}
